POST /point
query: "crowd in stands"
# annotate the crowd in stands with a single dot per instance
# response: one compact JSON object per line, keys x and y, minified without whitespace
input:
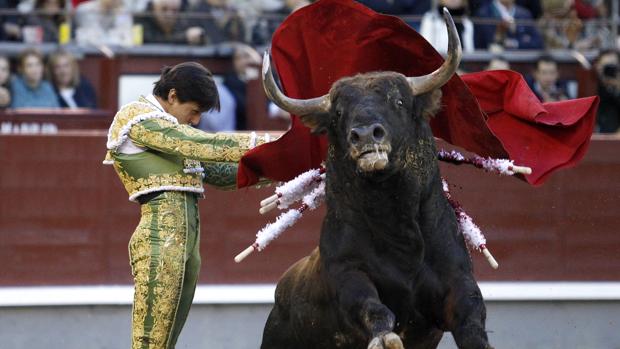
{"x":482,"y":24}
{"x":38,"y":82}
{"x":495,"y":26}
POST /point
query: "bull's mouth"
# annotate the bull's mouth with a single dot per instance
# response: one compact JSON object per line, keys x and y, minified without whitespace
{"x":372,"y":157}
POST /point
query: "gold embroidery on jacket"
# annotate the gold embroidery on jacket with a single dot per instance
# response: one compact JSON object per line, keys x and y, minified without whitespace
{"x":183,"y":141}
{"x":125,"y":115}
{"x":135,"y":185}
{"x":196,"y":144}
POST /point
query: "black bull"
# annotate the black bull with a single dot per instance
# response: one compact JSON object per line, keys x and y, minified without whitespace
{"x":391,"y":270}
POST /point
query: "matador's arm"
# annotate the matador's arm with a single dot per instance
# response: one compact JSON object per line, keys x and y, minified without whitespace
{"x":219,"y":152}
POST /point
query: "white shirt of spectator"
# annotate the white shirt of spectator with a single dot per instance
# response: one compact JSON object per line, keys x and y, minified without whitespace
{"x":507,"y":15}
{"x":433,"y":29}
{"x":97,"y":27}
{"x":67,"y":96}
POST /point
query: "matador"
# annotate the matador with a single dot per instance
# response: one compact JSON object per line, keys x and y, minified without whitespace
{"x":163,"y":163}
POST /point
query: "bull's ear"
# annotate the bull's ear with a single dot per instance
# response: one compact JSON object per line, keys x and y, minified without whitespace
{"x":432,"y":103}
{"x":317,"y":123}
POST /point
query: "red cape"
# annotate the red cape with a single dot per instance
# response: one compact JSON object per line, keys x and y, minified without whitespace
{"x":489,"y":113}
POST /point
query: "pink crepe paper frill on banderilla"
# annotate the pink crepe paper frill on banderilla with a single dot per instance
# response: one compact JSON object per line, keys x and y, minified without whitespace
{"x":500,"y":166}
{"x":471,"y":232}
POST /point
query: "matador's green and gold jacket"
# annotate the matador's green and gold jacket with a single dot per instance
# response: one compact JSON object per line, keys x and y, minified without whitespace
{"x":151,"y":151}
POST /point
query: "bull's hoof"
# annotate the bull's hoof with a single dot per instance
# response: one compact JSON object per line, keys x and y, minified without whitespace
{"x":386,"y":341}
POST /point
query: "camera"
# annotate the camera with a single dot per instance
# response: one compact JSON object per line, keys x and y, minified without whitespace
{"x":610,"y":70}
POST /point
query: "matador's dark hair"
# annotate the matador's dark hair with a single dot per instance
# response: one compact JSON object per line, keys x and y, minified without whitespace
{"x":192,"y":83}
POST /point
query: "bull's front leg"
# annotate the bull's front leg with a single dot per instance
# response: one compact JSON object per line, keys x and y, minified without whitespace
{"x":466,"y":315}
{"x":360,"y":303}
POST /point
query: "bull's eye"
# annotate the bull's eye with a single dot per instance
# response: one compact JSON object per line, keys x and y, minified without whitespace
{"x":338,"y":113}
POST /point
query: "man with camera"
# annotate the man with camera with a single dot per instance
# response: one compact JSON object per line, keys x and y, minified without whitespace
{"x":545,"y":83}
{"x":608,"y":117}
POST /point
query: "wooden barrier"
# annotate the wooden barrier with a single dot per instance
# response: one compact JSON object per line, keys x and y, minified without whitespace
{"x":65,"y":219}
{"x":36,"y":120}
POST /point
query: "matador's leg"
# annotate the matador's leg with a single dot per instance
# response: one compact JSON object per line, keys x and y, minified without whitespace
{"x":158,"y":251}
{"x":192,"y":269}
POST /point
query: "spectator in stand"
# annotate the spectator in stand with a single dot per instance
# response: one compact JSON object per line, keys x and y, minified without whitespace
{"x":72,"y":90}
{"x":46,"y":18}
{"x":165,"y":25}
{"x":590,"y":9}
{"x":509,"y":33}
{"x":106,"y":22}
{"x":570,"y":24}
{"x":5,"y":80}
{"x":545,"y":83}
{"x":401,"y":8}
{"x":534,"y":6}
{"x":219,"y":21}
{"x":559,"y":25}
{"x":433,"y":26}
{"x":246,"y":63}
{"x":10,"y":29}
{"x":132,"y":5}
{"x":252,"y":13}
{"x":596,"y":30}
{"x":267,"y":24}
{"x":28,"y":88}
{"x":607,"y":70}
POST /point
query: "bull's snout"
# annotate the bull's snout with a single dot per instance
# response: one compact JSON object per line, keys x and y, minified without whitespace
{"x":369,"y":146}
{"x":374,"y":133}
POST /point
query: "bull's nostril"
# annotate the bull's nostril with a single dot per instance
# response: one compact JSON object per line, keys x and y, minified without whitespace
{"x":354,"y":137}
{"x":378,"y":133}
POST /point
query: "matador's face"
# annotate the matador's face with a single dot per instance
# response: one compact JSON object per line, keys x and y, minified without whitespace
{"x":187,"y":113}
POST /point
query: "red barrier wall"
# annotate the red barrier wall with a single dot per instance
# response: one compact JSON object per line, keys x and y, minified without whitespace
{"x":65,"y":219}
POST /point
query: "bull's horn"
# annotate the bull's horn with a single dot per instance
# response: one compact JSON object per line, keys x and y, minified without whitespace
{"x":294,"y":106}
{"x":436,"y":79}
